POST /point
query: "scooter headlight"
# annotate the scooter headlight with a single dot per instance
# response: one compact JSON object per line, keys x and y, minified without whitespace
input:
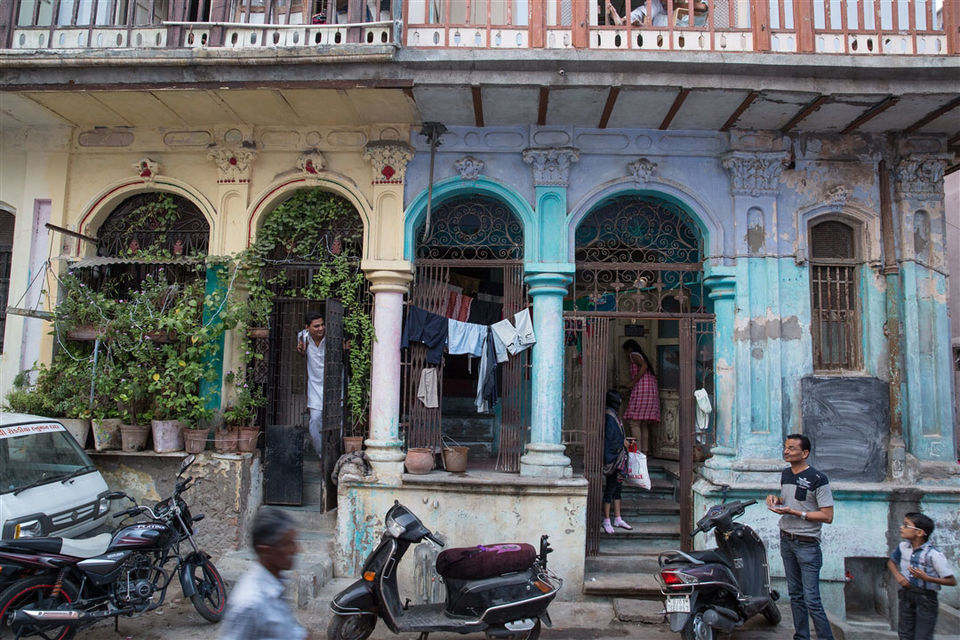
{"x":394,"y":528}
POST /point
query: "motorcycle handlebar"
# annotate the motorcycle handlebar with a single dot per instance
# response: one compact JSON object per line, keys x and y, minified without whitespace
{"x":434,"y":540}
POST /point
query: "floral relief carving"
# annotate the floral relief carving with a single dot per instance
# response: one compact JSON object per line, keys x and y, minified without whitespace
{"x":921,"y":174}
{"x":551,"y":166}
{"x":233,"y":163}
{"x":147,"y":169}
{"x":642,"y":170}
{"x":311,"y":162}
{"x":838,"y":196}
{"x":755,"y":174}
{"x":469,"y":167}
{"x":389,"y":160}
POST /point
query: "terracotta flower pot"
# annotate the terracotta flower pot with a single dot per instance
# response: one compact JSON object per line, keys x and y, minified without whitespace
{"x":419,"y":461}
{"x":247,"y":439}
{"x":352,"y":443}
{"x":195,"y":440}
{"x":225,"y":441}
{"x":87,"y":333}
{"x":133,"y":437}
{"x":106,"y":434}
{"x":167,"y":435}
{"x":258,"y":332}
{"x":78,"y":428}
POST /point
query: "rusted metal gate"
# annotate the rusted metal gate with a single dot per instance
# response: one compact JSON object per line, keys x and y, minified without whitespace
{"x":423,"y":424}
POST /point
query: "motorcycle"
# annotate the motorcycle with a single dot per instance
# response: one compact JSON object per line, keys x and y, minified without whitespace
{"x":501,"y":590}
{"x":64,"y":584}
{"x":718,"y":589}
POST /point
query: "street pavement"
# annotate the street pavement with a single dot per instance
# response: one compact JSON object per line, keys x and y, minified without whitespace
{"x":592,"y":620}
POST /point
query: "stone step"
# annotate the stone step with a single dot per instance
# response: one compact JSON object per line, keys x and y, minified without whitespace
{"x":609,"y":562}
{"x":310,"y":573}
{"x":634,"y":610}
{"x":632,"y":585}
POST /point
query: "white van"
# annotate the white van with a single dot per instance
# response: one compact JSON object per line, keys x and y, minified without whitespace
{"x":48,"y":485}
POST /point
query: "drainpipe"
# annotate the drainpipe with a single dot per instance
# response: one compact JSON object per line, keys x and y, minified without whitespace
{"x":433,"y":132}
{"x":896,"y":454}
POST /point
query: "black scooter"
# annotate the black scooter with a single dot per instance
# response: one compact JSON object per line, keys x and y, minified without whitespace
{"x":501,"y":590}
{"x":718,"y":589}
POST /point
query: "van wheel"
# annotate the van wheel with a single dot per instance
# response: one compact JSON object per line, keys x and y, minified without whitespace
{"x":351,"y":627}
{"x":34,"y":593}
{"x":697,"y":629}
{"x":772,"y":613}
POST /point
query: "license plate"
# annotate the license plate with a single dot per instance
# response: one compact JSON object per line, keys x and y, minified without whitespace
{"x":678,"y":604}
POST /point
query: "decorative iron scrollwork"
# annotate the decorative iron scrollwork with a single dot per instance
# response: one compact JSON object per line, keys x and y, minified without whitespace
{"x":473,"y":228}
{"x":127,"y":227}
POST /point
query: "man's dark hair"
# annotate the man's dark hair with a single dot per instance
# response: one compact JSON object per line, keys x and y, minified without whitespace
{"x":309,"y":317}
{"x":804,"y":440}
{"x":269,"y":526}
{"x":613,"y":400}
{"x":920,"y":521}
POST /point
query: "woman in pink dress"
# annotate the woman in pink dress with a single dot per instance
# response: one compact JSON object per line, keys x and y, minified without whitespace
{"x":643,"y":410}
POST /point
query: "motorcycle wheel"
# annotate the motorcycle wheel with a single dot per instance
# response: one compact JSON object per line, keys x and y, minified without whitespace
{"x":351,"y":627}
{"x":697,"y":629}
{"x":34,"y":593}
{"x":210,"y":598}
{"x":772,"y":613}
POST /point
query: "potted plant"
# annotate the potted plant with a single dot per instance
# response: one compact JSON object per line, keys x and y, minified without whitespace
{"x":66,"y":385}
{"x":24,"y":398}
{"x":242,"y":410}
{"x":83,"y":313}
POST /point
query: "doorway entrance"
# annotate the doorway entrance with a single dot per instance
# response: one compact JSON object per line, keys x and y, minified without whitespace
{"x":469,"y":268}
{"x":638,"y":277}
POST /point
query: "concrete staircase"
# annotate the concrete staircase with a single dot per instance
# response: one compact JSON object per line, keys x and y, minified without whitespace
{"x":317,"y":530}
{"x":461,"y":423}
{"x":626,"y":566}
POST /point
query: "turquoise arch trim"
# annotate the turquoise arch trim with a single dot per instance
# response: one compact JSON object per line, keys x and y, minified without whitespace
{"x":457,"y":186}
{"x":706,"y":222}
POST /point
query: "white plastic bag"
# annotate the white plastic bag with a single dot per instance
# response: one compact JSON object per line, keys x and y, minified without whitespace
{"x":637,"y":474}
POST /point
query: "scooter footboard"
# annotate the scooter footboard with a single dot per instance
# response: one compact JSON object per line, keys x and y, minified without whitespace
{"x":356,"y":599}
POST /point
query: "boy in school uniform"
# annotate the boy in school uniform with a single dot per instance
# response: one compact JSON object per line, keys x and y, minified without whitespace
{"x":920,"y":569}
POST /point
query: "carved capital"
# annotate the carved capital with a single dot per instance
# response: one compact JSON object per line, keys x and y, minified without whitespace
{"x":551,"y":166}
{"x":755,"y":174}
{"x":147,"y":169}
{"x":642,"y":170}
{"x":921,"y":174}
{"x":311,"y":163}
{"x":233,"y":163}
{"x":469,"y":167}
{"x":389,"y":160}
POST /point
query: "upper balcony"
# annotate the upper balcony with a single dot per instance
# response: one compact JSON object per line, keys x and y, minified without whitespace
{"x":852,"y":27}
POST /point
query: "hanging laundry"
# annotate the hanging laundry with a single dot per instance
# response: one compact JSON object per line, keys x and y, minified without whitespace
{"x":485,"y":312}
{"x":464,"y":337}
{"x":466,"y":302}
{"x":487,"y":378}
{"x":428,"y":328}
{"x":467,"y":284}
{"x":453,"y":304}
{"x":513,"y":337}
{"x":427,"y":391}
{"x":524,"y":325}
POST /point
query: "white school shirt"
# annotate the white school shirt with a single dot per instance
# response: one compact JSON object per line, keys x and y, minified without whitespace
{"x":315,"y":358}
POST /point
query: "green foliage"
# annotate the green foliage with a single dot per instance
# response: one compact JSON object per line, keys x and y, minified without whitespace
{"x":246,"y":399}
{"x":160,"y":213}
{"x":23,"y":398}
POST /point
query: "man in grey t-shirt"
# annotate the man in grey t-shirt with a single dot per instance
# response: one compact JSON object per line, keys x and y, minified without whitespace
{"x":805,"y":504}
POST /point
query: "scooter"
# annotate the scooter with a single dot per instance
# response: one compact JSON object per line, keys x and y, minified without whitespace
{"x":501,"y":590}
{"x":717,"y":590}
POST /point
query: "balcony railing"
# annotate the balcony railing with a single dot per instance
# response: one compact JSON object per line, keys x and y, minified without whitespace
{"x":861,"y":27}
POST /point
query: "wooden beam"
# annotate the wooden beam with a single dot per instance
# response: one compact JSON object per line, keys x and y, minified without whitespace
{"x":812,"y":106}
{"x":30,"y":313}
{"x":477,"y":106}
{"x":872,"y":113}
{"x":732,"y":120}
{"x":608,"y":107}
{"x":677,"y":103}
{"x":68,"y":232}
{"x":542,"y":110}
{"x":933,"y":115}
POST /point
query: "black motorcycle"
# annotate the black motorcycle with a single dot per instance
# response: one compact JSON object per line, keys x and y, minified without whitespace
{"x":64,"y":584}
{"x":501,"y":590}
{"x":718,"y":589}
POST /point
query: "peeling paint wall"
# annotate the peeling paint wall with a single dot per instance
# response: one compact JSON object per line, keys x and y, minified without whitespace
{"x":468,"y":514}
{"x":227,"y":490}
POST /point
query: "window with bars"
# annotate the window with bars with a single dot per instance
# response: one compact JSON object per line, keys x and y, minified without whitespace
{"x":6,"y":253}
{"x":835,"y":297}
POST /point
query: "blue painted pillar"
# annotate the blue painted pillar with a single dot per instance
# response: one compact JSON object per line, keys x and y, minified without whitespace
{"x":211,"y":390}
{"x":722,"y":285}
{"x":548,"y":274}
{"x":927,"y":402}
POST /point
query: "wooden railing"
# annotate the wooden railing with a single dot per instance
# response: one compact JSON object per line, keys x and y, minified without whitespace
{"x":861,"y":27}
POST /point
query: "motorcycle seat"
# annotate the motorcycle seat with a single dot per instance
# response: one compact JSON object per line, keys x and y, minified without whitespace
{"x":485,"y":561}
{"x":74,"y":547}
{"x":711,"y":556}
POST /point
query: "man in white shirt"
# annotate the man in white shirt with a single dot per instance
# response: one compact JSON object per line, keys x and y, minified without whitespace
{"x":257,"y":609}
{"x":312,"y":344}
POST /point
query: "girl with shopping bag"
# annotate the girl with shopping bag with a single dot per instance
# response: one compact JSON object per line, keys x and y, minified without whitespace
{"x":614,"y":463}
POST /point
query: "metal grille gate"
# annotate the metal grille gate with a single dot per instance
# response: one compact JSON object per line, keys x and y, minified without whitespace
{"x":424,"y":425}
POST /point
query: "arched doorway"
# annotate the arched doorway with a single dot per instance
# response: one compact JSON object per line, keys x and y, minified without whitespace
{"x":469,"y":267}
{"x":639,"y":276}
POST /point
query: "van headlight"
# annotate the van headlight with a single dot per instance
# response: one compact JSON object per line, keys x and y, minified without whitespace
{"x":28,"y":529}
{"x":103,"y":505}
